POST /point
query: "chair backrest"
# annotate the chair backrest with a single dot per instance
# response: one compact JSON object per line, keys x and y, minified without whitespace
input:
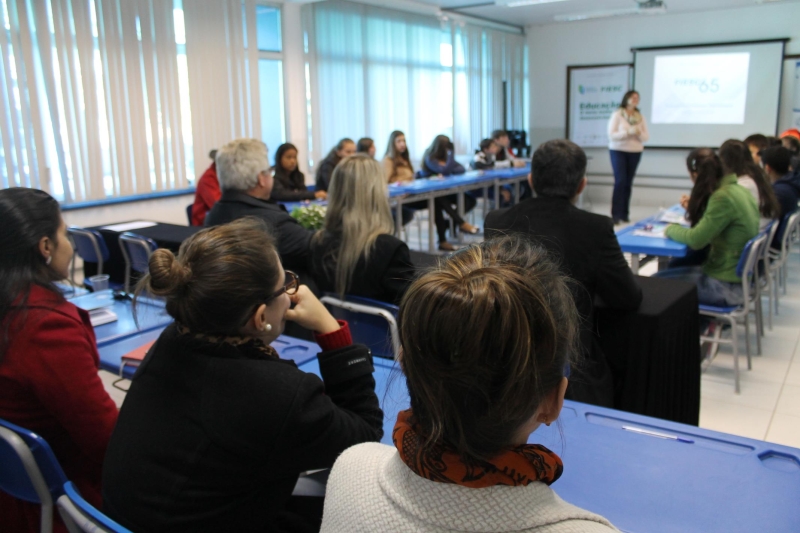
{"x":29,"y":470}
{"x":80,"y":515}
{"x":89,"y":245}
{"x":136,"y":250}
{"x":371,"y":322}
{"x":189,"y":213}
{"x":790,"y":221}
{"x":746,"y":267}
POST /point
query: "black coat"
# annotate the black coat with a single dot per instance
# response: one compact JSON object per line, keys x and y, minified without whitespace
{"x":212,"y":436}
{"x":385,"y":277}
{"x":325,"y":171}
{"x":290,"y":187}
{"x":292,"y":239}
{"x":587,"y":247}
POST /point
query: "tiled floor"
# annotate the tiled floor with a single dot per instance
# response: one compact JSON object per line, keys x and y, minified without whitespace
{"x":768,"y":407}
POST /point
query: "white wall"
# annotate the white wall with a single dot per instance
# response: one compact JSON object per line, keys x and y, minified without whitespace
{"x":554,"y":47}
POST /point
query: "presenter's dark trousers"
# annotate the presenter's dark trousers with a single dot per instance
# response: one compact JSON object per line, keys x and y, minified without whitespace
{"x":624,"y":165}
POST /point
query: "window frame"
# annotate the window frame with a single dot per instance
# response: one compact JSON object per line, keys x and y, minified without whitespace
{"x":275,"y":56}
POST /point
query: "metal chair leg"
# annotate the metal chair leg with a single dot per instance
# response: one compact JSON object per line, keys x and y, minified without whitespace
{"x":735,"y":342}
{"x":746,"y":334}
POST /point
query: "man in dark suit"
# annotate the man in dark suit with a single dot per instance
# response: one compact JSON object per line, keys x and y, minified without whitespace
{"x":246,"y":181}
{"x":587,"y":248}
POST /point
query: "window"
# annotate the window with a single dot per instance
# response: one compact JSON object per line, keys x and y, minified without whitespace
{"x":270,"y":76}
{"x":415,"y":73}
{"x":95,"y":98}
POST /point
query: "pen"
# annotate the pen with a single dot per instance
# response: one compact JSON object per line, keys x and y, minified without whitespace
{"x":657,"y":435}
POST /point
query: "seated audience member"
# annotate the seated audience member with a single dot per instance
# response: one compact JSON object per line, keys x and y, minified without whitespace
{"x":486,"y":338}
{"x":398,"y":169}
{"x":207,"y":192}
{"x":216,"y":427}
{"x":289,"y":183}
{"x":785,"y":183}
{"x":736,"y":159}
{"x":505,"y":158}
{"x":695,"y":205}
{"x":439,"y":160}
{"x":586,"y":247}
{"x":246,"y":191}
{"x":484,"y":159}
{"x":356,"y":252}
{"x":48,"y":356}
{"x":343,"y":148}
{"x":790,"y":139}
{"x":755,"y":143}
{"x":728,"y":221}
{"x":366,"y":145}
{"x":396,"y":161}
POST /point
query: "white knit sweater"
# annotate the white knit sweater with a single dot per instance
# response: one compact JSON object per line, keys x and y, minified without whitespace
{"x":371,"y":489}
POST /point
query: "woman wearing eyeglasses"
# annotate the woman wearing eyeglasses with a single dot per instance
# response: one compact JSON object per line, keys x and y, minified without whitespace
{"x":216,"y":426}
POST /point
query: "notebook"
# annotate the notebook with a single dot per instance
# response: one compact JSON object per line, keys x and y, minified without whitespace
{"x":135,"y":357}
{"x":101,"y":316}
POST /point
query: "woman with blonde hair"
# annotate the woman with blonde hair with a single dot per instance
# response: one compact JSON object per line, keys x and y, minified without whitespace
{"x":356,"y":253}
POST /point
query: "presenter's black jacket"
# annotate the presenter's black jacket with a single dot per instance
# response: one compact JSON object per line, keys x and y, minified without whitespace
{"x":385,"y":277}
{"x":293,"y":239}
{"x":212,"y":436}
{"x":588,"y":251}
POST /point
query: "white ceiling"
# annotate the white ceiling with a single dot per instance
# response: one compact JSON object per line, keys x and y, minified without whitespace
{"x":543,"y":13}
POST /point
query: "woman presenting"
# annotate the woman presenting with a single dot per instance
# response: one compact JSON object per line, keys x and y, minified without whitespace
{"x":627,"y":130}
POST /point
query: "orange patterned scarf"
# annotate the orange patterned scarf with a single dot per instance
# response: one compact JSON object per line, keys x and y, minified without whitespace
{"x":518,"y":466}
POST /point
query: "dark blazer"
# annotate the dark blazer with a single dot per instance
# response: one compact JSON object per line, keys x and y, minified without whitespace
{"x":325,"y":171}
{"x":212,"y":436}
{"x":293,"y":239}
{"x":587,"y":247}
{"x":385,"y":277}
{"x":290,"y":187}
{"x":787,"y":191}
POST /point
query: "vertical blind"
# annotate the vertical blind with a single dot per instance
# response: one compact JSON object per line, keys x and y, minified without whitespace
{"x":374,"y":70}
{"x":91,"y":101}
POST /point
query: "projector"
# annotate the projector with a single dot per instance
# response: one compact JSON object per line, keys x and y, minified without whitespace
{"x":650,"y":4}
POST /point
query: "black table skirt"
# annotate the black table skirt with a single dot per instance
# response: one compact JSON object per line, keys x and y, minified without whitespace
{"x":168,"y":236}
{"x":654,"y":353}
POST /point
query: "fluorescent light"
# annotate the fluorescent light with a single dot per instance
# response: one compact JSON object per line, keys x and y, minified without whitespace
{"x":520,"y":3}
{"x":572,"y":17}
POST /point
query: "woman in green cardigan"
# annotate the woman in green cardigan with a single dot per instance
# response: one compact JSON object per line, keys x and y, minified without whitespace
{"x":726,"y":222}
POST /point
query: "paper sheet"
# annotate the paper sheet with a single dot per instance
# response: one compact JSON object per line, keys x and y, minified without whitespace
{"x":128,"y":226}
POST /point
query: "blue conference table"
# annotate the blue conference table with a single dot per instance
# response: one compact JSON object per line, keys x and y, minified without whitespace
{"x":299,"y":351}
{"x":151,"y":315}
{"x":435,"y":187}
{"x":633,"y":240}
{"x":707,"y":482}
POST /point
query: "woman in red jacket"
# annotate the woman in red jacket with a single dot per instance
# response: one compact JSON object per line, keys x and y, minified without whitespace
{"x":48,"y":356}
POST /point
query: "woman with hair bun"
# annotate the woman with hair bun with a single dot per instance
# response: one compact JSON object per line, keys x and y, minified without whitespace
{"x":216,"y":427}
{"x":48,"y":355}
{"x":486,"y":338}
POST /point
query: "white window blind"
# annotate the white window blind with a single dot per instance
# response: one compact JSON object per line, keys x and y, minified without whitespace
{"x":373,"y":70}
{"x":96,"y":98}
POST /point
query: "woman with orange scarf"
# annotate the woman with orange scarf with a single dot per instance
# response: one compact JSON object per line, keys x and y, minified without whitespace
{"x":486,"y":339}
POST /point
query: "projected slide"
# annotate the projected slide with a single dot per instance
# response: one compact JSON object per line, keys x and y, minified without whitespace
{"x":700,"y":88}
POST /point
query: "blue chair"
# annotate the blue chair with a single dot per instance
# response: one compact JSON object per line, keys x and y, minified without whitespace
{"x":733,"y":315}
{"x":29,"y":470}
{"x":90,"y":246}
{"x":779,"y":259}
{"x":136,"y":250}
{"x":371,"y":322}
{"x":82,"y":516}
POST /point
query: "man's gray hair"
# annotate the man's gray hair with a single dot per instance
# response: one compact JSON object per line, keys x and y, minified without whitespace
{"x":240,"y":162}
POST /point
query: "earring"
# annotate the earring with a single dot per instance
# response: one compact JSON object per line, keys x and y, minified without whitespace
{"x":267,"y":327}
{"x":48,"y":260}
